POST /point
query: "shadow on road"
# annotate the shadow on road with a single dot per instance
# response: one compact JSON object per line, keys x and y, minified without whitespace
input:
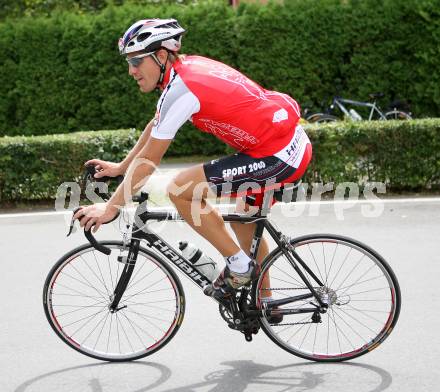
{"x":100,"y":377}
{"x":240,"y":376}
{"x":247,"y":375}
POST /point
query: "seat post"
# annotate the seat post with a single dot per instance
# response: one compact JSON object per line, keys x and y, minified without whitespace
{"x":267,"y":203}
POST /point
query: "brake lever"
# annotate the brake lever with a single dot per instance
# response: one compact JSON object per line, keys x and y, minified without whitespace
{"x":72,"y":228}
{"x":91,"y":171}
{"x":89,"y":235}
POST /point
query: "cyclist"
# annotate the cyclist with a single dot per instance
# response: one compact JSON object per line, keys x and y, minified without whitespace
{"x":261,"y":125}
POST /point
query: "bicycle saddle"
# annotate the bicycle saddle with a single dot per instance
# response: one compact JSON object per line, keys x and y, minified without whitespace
{"x":376,"y":95}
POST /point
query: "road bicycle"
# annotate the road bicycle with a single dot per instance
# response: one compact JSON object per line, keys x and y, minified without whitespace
{"x":322,"y":297}
{"x":395,"y":110}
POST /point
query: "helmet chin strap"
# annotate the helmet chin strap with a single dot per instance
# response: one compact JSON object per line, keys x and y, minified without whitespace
{"x":162,"y":68}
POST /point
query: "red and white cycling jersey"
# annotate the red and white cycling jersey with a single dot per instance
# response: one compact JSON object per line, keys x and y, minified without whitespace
{"x":219,"y":100}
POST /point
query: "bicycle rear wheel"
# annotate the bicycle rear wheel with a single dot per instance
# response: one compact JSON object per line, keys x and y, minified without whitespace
{"x":360,"y":288}
{"x":79,"y":289}
{"x":397,"y":115}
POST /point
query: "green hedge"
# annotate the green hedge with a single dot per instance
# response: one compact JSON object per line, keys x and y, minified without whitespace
{"x":404,"y":155}
{"x":32,"y":167}
{"x":63,"y":73}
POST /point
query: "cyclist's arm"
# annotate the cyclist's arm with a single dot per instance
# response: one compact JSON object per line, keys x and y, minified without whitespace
{"x":138,"y":147}
{"x":174,"y":108}
{"x":137,"y":175}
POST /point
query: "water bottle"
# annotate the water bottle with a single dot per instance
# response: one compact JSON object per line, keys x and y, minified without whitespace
{"x":355,"y":115}
{"x":200,"y":261}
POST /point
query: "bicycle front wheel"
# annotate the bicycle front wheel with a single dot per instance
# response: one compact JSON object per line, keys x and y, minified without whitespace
{"x":319,"y":118}
{"x":361,"y":291}
{"x":79,"y":289}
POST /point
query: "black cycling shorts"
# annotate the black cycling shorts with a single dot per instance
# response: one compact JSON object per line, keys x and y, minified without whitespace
{"x":240,"y":174}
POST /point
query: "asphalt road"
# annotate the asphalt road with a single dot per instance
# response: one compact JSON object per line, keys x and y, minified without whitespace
{"x":205,"y":355}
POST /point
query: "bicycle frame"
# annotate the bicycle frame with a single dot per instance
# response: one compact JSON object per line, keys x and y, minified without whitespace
{"x":339,"y":102}
{"x":172,"y":255}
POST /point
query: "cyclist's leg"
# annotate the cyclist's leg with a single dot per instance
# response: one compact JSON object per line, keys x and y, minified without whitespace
{"x":188,"y":192}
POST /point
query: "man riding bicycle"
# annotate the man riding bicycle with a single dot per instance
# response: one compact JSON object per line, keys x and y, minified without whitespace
{"x":261,"y":125}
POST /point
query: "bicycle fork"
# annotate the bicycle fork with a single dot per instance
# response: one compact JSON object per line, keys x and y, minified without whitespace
{"x":129,"y":263}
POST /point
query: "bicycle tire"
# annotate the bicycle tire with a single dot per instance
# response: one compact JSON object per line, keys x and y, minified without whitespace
{"x":342,"y":304}
{"x":81,"y":267}
{"x":319,"y":118}
{"x":397,"y":115}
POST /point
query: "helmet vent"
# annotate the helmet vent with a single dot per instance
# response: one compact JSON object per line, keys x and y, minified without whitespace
{"x":143,"y":36}
{"x":172,"y":25}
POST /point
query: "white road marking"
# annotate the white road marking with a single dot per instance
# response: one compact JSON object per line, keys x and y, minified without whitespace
{"x":322,"y":202}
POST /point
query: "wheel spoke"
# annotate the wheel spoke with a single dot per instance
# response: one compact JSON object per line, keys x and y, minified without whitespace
{"x":355,"y":319}
{"x":314,"y":260}
{"x":135,"y":283}
{"x":343,"y":263}
{"x":88,"y":284}
{"x":151,"y":306}
{"x":90,"y":318}
{"x":357,"y":283}
{"x":110,"y":272}
{"x":143,"y":330}
{"x":339,"y":330}
{"x":351,"y":271}
{"x":125,"y":334}
{"x":100,"y":272}
{"x":79,"y":293}
{"x":134,"y":329}
{"x":94,"y":328}
{"x":100,"y":332}
{"x":81,"y":307}
{"x":290,"y":276}
{"x":331,"y":264}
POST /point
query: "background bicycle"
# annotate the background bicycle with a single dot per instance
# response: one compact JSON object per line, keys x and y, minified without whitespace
{"x":342,"y":108}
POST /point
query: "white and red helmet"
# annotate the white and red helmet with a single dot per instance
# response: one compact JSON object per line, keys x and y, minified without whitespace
{"x":149,"y":35}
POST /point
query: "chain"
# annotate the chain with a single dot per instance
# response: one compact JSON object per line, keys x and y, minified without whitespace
{"x":305,"y":322}
{"x":298,"y":323}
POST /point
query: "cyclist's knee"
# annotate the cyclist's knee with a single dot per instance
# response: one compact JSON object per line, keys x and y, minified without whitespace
{"x":175,"y":190}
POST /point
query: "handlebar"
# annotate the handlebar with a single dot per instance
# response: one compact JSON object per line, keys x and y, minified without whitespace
{"x":90,"y":171}
{"x":96,"y":244}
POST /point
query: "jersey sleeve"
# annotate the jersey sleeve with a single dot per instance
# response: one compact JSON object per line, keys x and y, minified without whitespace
{"x":176,"y":106}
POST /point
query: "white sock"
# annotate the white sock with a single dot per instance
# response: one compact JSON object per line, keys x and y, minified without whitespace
{"x":239,"y":262}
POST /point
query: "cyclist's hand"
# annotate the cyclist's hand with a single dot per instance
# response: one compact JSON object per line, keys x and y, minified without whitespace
{"x":105,"y":168}
{"x":95,"y":215}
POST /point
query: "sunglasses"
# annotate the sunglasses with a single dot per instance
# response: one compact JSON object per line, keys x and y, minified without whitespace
{"x":136,"y":61}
